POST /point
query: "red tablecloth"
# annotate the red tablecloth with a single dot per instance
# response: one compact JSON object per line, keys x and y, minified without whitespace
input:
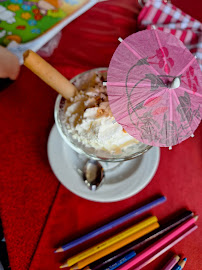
{"x":37,"y":212}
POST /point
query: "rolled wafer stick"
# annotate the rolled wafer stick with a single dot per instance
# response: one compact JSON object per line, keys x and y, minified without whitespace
{"x":49,"y":74}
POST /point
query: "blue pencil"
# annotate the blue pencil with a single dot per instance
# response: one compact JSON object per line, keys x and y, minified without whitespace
{"x":180,"y":265}
{"x":112,"y":224}
{"x":121,"y":261}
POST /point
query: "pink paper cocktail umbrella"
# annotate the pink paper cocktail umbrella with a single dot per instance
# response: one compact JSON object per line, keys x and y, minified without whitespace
{"x":154,"y":86}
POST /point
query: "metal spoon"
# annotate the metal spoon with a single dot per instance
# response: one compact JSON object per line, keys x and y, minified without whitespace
{"x":93,"y":174}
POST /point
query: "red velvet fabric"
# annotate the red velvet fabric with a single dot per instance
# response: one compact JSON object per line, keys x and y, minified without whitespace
{"x":38,"y":213}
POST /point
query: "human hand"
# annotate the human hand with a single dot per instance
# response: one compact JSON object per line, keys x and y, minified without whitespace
{"x":9,"y":64}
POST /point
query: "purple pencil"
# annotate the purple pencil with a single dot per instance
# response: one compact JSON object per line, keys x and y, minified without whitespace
{"x":171,"y":263}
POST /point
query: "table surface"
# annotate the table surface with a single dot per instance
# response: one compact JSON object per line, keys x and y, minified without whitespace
{"x":38,"y":213}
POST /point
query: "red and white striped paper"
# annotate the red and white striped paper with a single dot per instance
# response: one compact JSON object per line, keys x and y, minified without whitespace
{"x":167,"y":17}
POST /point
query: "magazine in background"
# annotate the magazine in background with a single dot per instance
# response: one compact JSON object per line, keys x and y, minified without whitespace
{"x":31,"y":24}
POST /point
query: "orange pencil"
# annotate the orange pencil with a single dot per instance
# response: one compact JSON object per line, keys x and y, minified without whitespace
{"x":113,"y":247}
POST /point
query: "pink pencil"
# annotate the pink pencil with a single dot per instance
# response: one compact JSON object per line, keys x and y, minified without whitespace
{"x":158,"y":244}
{"x":166,"y":248}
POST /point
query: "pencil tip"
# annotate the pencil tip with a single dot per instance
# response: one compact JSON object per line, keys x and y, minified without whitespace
{"x":74,"y":267}
{"x":196,"y":218}
{"x":177,"y":257}
{"x":63,"y":265}
{"x":58,"y":250}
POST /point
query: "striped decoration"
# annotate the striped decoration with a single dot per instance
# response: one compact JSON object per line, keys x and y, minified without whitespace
{"x":167,"y":17}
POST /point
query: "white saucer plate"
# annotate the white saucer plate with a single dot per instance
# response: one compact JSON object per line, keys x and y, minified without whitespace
{"x":126,"y":180}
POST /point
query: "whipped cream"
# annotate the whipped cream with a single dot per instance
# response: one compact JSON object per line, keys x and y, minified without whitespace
{"x":89,"y":119}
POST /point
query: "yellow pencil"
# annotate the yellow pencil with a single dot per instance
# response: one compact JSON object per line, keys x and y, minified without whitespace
{"x":112,"y":240}
{"x":114,"y":247}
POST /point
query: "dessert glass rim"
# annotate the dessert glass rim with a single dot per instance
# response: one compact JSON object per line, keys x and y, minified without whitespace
{"x":78,"y":149}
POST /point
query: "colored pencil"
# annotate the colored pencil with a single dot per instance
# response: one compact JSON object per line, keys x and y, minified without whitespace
{"x":180,"y":265}
{"x":172,"y":262}
{"x":166,"y":248}
{"x":121,"y":261}
{"x":110,"y":241}
{"x":115,"y":246}
{"x":118,"y":262}
{"x":159,"y":244}
{"x":135,"y":245}
{"x":112,"y":224}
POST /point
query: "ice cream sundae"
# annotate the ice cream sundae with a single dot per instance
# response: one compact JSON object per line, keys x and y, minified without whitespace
{"x":88,"y":117}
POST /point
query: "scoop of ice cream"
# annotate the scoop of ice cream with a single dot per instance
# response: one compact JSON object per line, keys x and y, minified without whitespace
{"x":90,"y":119}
